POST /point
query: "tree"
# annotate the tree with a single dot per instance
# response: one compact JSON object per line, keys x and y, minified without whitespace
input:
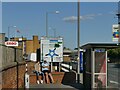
{"x":114,"y":54}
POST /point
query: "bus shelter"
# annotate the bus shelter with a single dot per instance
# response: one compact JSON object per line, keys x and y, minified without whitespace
{"x":95,"y":64}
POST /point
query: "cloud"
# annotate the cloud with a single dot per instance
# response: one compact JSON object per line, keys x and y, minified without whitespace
{"x":70,"y":19}
{"x":90,"y":16}
{"x":73,"y":19}
{"x":87,"y":17}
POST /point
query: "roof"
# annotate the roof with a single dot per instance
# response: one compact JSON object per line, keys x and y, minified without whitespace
{"x":100,"y":45}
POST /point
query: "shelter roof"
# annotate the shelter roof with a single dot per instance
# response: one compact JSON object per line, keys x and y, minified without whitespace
{"x":100,"y":45}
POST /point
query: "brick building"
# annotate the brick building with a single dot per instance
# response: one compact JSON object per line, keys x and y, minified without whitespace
{"x":66,"y":55}
{"x":2,"y":38}
{"x":28,"y":46}
{"x":32,"y":45}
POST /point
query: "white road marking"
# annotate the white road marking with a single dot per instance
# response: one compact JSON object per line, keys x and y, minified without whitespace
{"x":114,"y":82}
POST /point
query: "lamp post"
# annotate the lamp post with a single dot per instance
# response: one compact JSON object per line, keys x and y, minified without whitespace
{"x":9,"y":30}
{"x":78,"y":43}
{"x":56,"y":12}
{"x":54,"y":31}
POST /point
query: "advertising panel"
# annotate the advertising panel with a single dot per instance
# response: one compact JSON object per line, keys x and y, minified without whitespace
{"x":81,"y":61}
{"x":115,"y":31}
{"x":11,"y":43}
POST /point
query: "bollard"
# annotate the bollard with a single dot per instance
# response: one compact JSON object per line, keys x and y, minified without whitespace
{"x":26,"y":78}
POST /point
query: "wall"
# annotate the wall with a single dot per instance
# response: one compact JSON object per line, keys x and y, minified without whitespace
{"x":10,"y":55}
{"x":13,"y":76}
{"x":11,"y":72}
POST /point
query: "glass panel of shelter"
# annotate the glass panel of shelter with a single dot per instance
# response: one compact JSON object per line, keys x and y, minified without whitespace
{"x":100,"y":69}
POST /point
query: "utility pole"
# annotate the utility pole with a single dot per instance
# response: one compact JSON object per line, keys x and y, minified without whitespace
{"x":78,"y":42}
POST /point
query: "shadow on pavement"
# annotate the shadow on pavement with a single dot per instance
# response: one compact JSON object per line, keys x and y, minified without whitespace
{"x":70,"y":80}
{"x":76,"y":86}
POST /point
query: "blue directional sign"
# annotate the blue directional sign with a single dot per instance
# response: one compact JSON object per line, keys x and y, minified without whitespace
{"x":52,"y":53}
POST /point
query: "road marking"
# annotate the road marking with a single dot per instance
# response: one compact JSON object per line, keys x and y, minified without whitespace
{"x":114,"y":82}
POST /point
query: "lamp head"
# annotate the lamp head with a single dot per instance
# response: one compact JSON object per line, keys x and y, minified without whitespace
{"x":14,"y":26}
{"x":57,"y":12}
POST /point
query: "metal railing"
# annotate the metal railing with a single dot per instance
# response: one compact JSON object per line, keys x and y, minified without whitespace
{"x":66,"y":66}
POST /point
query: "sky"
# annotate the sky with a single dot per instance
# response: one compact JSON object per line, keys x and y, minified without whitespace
{"x":96,"y":20}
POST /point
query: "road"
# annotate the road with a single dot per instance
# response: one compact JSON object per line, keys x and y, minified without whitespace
{"x":113,"y":75}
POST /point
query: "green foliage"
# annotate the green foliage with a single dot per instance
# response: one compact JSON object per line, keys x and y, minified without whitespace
{"x":114,"y":54}
{"x":65,"y":48}
{"x":57,"y":45}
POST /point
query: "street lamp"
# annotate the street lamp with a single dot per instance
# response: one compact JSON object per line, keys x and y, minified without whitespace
{"x":9,"y":30}
{"x":54,"y":30}
{"x":56,"y":12}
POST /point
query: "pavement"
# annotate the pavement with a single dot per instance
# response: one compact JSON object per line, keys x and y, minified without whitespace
{"x":57,"y":86}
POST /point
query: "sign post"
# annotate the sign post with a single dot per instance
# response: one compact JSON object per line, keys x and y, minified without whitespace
{"x":51,"y":49}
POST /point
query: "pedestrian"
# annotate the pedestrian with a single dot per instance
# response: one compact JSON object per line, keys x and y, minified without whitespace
{"x":46,"y":71}
{"x":38,"y":72}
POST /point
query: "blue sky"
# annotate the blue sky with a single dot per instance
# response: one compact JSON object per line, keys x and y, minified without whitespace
{"x":96,"y":25}
{"x":96,"y":19}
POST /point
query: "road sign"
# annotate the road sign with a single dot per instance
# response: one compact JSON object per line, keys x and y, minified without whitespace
{"x":11,"y":43}
{"x":52,"y":49}
{"x":115,"y":30}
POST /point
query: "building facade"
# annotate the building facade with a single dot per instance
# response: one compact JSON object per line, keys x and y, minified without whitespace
{"x":32,"y":45}
{"x":28,"y":46}
{"x":2,"y":38}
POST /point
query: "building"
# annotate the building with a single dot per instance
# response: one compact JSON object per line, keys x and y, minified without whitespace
{"x":67,"y":55}
{"x":32,"y":45}
{"x":2,"y":38}
{"x":28,"y":46}
{"x":21,"y":43}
